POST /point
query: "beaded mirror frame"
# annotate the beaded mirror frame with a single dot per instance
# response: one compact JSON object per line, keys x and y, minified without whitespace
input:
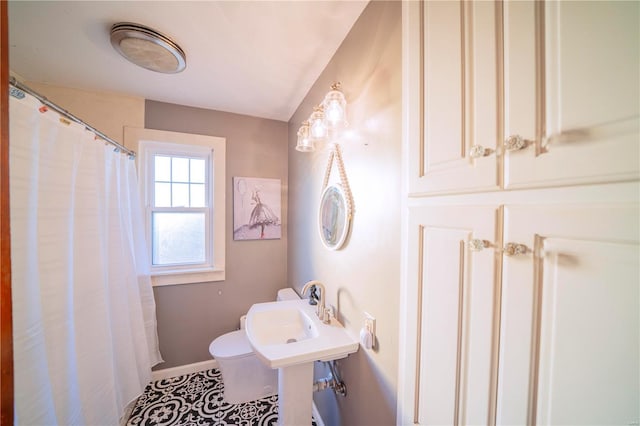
{"x":335,"y":213}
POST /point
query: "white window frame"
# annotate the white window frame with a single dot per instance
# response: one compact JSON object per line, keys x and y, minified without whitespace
{"x":147,"y":143}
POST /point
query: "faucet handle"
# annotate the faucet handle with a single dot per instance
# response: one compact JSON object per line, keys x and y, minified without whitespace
{"x":327,"y":315}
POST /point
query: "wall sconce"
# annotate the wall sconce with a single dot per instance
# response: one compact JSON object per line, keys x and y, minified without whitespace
{"x":325,"y":121}
{"x":305,"y":144}
{"x":335,"y":108}
{"x":317,"y":125}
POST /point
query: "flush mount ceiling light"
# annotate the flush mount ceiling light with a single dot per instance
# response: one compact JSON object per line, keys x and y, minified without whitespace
{"x":147,"y":48}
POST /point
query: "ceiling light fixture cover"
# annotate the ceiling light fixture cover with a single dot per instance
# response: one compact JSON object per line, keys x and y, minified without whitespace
{"x":147,"y":48}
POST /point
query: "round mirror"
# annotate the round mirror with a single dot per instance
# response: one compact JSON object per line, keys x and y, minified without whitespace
{"x":334,"y":217}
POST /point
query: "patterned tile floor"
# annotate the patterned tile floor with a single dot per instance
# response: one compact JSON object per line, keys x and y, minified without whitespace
{"x":196,"y":399}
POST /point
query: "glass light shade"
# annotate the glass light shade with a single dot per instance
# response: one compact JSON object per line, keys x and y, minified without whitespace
{"x":317,"y":126}
{"x":305,"y":144}
{"x":335,"y":107}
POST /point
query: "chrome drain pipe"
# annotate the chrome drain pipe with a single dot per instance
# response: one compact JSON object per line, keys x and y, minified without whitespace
{"x":332,"y":381}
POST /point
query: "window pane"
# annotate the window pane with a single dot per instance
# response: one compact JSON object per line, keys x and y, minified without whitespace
{"x":179,"y":195}
{"x":162,"y":168}
{"x":179,"y":169}
{"x":197,"y":195}
{"x":197,"y":170}
{"x":178,"y":238}
{"x":162,"y":197}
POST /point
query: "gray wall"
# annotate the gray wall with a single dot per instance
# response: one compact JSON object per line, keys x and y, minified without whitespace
{"x":365,"y":275}
{"x":190,"y":316}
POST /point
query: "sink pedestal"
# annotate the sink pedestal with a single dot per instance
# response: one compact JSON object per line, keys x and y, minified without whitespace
{"x":295,"y":394}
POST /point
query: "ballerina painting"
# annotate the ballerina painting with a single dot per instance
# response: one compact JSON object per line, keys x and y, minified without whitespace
{"x":256,"y":208}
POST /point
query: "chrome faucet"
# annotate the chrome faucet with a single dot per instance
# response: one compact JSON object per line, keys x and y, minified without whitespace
{"x":321,"y":311}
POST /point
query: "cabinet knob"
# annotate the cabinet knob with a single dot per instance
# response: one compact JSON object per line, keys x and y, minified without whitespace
{"x":515,"y":143}
{"x":476,"y":244}
{"x":515,"y":249}
{"x":478,"y":151}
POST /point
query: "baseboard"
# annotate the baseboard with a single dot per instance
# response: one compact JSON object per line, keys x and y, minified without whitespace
{"x":181,"y":370}
{"x":127,"y":412}
{"x":316,"y":414}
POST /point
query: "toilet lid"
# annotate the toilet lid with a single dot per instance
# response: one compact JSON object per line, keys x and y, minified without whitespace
{"x":231,"y":345}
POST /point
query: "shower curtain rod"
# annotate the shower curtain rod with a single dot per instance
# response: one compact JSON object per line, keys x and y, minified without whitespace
{"x":15,"y":83}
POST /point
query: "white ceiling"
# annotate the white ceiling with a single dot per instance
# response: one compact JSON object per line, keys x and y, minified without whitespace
{"x":257,"y":58}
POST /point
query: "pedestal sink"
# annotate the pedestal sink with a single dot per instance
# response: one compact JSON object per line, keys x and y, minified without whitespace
{"x":290,"y":337}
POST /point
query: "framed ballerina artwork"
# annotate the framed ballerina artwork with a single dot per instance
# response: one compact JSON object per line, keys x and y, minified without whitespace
{"x":256,"y":208}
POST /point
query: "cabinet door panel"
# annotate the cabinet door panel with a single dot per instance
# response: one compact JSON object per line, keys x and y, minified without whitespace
{"x":454,"y":101}
{"x":572,"y":89}
{"x":456,"y":335}
{"x":442,"y":307}
{"x":443,"y":85}
{"x":570,"y":330}
{"x":589,"y":357}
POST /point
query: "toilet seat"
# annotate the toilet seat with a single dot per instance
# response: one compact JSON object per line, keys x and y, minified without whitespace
{"x":231,"y":345}
{"x":245,"y":377}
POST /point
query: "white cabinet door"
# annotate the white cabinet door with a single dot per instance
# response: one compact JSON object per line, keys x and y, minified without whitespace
{"x":452,"y":55}
{"x":572,"y":89}
{"x":453,"y":318}
{"x":570,"y":324}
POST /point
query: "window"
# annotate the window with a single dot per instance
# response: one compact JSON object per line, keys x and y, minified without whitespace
{"x":179,"y":207}
{"x":182,"y":184}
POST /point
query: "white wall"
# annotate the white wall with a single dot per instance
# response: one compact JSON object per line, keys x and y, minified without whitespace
{"x":107,"y":112}
{"x":365,"y":274}
{"x":190,"y":316}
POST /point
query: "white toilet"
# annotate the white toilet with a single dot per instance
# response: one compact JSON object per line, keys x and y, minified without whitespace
{"x":245,"y":377}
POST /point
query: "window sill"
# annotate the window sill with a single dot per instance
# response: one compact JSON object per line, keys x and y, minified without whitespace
{"x":187,"y":277}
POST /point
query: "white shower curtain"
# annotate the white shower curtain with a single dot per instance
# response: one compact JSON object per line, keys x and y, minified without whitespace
{"x":83,"y":310}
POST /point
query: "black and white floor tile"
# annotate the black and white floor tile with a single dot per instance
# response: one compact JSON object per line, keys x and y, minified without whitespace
{"x":196,"y":399}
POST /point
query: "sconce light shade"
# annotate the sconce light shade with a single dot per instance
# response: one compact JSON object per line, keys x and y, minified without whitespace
{"x":305,"y":144}
{"x":335,"y":107}
{"x":317,"y":126}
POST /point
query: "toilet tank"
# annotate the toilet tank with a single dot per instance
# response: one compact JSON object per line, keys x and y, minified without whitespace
{"x":287,"y":294}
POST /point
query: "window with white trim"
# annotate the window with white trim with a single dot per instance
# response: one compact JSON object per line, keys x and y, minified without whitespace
{"x":182,"y":184}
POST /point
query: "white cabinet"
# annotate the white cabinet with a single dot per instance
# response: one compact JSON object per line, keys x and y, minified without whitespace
{"x":550,"y":335}
{"x":564,"y":76}
{"x":456,"y":294}
{"x":571,"y":85}
{"x":570,"y":316}
{"x":454,"y":94}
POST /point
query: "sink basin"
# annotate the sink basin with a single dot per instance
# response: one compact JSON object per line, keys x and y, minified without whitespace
{"x":289,"y":333}
{"x":283,"y":326}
